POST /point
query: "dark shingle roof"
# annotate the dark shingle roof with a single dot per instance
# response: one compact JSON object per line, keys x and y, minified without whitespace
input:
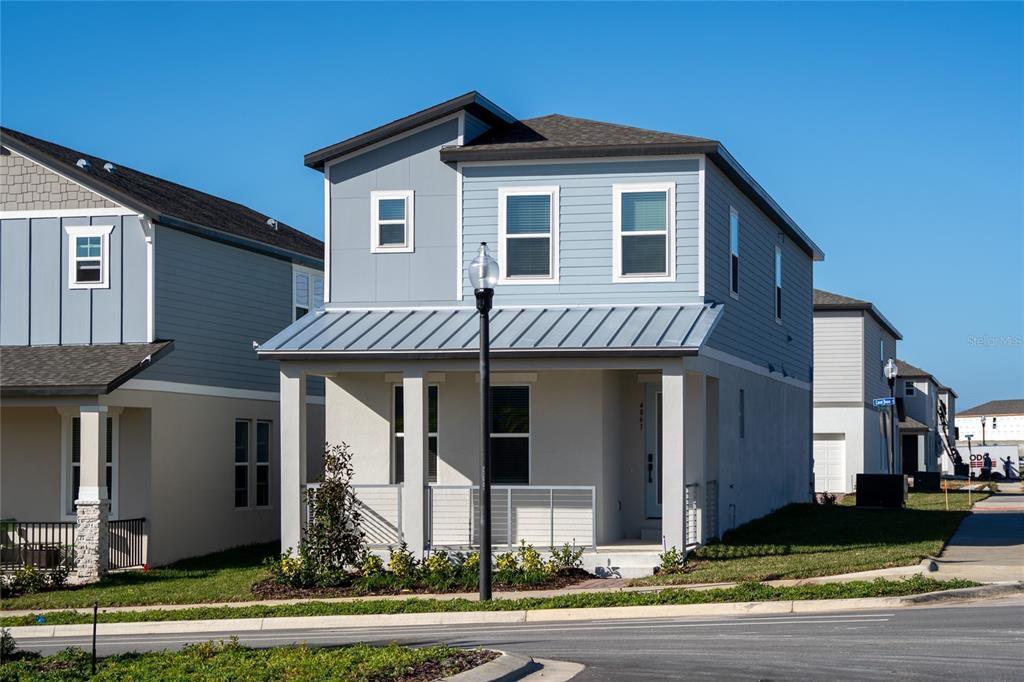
{"x":995,"y":407}
{"x":561,"y":132}
{"x":164,"y":201}
{"x":826,"y":300}
{"x":908,"y":370}
{"x":74,"y":370}
{"x":911,"y":424}
{"x":473,"y":102}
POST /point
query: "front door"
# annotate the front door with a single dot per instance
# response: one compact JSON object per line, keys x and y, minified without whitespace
{"x":909,"y":449}
{"x":652,"y":452}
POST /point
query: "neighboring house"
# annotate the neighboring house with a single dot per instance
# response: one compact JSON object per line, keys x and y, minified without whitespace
{"x":651,"y":333}
{"x":920,"y":397}
{"x":130,"y":305}
{"x":996,"y":423}
{"x":852,"y":341}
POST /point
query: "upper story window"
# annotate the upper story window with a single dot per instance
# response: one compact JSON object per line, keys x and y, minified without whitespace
{"x":89,"y":256}
{"x":734,"y":251}
{"x":528,"y":234}
{"x":307,"y":290}
{"x":644,"y":235}
{"x":391,"y":222}
{"x":908,"y":388}
{"x":778,"y":284}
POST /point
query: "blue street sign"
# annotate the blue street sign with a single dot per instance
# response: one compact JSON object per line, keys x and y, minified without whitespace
{"x":883,"y":402}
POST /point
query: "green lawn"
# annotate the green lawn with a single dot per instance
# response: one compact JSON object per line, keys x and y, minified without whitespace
{"x":224,"y":576}
{"x":219,"y":662}
{"x":805,"y":541}
{"x":580,"y":600}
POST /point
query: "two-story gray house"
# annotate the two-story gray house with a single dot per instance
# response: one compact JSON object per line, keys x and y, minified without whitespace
{"x":651,"y":336}
{"x":852,"y":341}
{"x":137,"y":423}
{"x":925,"y":442}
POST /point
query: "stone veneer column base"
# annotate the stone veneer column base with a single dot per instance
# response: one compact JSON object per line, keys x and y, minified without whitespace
{"x":91,"y":540}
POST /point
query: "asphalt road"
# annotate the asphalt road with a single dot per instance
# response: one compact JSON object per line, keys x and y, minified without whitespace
{"x":981,"y":641}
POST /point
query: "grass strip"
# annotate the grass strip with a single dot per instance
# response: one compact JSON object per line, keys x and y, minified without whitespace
{"x":739,"y":593}
{"x":230,"y":661}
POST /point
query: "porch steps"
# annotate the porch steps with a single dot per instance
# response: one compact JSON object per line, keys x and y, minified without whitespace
{"x":621,"y":564}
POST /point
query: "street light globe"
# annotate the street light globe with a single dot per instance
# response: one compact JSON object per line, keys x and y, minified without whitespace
{"x":890,"y":369}
{"x":483,"y":271}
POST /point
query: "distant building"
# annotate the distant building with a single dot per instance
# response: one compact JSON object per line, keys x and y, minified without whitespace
{"x":992,"y":426}
{"x":921,"y":400}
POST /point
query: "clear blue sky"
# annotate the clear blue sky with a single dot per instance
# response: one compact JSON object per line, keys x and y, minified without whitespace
{"x":892,"y":133}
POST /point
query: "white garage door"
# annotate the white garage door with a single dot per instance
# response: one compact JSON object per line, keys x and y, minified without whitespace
{"x":830,"y":466}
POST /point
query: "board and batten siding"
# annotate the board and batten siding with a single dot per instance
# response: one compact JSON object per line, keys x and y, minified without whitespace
{"x":214,"y":300}
{"x":747,"y":328}
{"x":36,"y":305}
{"x":839,"y":353}
{"x":875,"y":384}
{"x":423,"y":276}
{"x":585,"y":228}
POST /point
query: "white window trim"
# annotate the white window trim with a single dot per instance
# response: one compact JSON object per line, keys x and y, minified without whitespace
{"x":311,"y":275}
{"x":503,"y":236}
{"x":529,"y":433}
{"x":76,"y":231}
{"x":734,"y":212}
{"x":777,"y":289}
{"x":410,"y":221}
{"x":66,"y":494}
{"x":617,"y":191}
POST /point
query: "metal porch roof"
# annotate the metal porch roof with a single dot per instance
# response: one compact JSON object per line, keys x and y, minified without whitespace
{"x":664,"y":330}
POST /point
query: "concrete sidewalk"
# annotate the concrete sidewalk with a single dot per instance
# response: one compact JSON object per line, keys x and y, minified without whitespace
{"x":988,"y":546}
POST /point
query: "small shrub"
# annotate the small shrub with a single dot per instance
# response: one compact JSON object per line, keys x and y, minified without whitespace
{"x":507,"y":563}
{"x":827,"y":499}
{"x":28,"y":579}
{"x":58,"y":578}
{"x":529,"y":559}
{"x":470,"y":563}
{"x":565,"y":559}
{"x":7,"y":645}
{"x":403,"y":566}
{"x":371,"y":565}
{"x":333,"y":541}
{"x":672,"y":560}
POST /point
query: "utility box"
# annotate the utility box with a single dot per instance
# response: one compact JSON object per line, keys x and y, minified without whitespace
{"x":886,"y":491}
{"x":927,"y":481}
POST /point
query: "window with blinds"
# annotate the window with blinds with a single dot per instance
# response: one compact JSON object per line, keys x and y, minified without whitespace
{"x":644,"y":234}
{"x":528,"y":226}
{"x":307,"y":290}
{"x":391,"y":221}
{"x":510,"y":435}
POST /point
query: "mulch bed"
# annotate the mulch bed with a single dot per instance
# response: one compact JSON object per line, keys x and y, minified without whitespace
{"x":270,"y":589}
{"x":462,"y":661}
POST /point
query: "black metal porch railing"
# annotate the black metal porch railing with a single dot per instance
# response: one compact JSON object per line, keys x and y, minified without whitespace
{"x":43,"y":544}
{"x":127,"y":543}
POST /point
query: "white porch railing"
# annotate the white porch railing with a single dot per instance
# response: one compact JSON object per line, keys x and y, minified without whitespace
{"x":381,"y":507}
{"x":543,"y":516}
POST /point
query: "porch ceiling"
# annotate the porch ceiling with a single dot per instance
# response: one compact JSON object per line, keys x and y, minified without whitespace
{"x":665,"y":330}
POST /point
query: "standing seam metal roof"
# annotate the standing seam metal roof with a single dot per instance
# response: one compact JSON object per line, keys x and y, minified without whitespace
{"x":666,"y":329}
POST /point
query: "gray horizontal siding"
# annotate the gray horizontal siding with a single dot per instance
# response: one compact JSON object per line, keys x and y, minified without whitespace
{"x":875,"y":384}
{"x":585,"y":228}
{"x":748,"y":328}
{"x":38,"y":308}
{"x":214,"y":300}
{"x":838,"y":357}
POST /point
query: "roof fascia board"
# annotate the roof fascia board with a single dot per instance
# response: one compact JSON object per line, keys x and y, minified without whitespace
{"x":153,"y":357}
{"x":470,"y":155}
{"x":470,"y":353}
{"x":72,"y":174}
{"x":589,"y":159}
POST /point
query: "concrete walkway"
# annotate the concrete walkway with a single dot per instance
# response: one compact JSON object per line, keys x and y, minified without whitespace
{"x":989,"y":545}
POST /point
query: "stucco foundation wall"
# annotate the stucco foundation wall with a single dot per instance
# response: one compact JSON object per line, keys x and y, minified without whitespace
{"x":134,"y":478}
{"x":771,"y":465}
{"x":30,"y":463}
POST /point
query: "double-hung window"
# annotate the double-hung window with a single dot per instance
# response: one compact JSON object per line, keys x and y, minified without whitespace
{"x":398,"y":433}
{"x":528,"y":234}
{"x":241,"y":463}
{"x":75,"y":474}
{"x":643,"y":222}
{"x":391,"y":221}
{"x":778,"y":284}
{"x":510,"y":435}
{"x":307,"y":290}
{"x":734,"y":251}
{"x":908,"y":388}
{"x":89,"y":256}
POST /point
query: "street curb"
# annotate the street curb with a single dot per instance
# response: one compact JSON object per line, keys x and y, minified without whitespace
{"x":283,"y":623}
{"x":504,"y":668}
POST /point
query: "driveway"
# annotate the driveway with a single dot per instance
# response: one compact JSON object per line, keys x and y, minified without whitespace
{"x":989,"y":545}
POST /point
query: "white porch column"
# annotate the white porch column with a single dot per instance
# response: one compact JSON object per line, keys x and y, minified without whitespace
{"x":92,"y":504}
{"x":293,"y":455}
{"x":673,"y":491}
{"x":696,"y":447}
{"x":414,"y":392}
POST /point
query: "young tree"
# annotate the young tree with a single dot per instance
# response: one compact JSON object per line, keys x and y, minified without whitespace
{"x":333,"y":540}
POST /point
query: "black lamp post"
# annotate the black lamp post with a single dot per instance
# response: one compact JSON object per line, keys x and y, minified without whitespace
{"x":983,"y":419}
{"x":483,"y":275}
{"x":891,"y":370}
